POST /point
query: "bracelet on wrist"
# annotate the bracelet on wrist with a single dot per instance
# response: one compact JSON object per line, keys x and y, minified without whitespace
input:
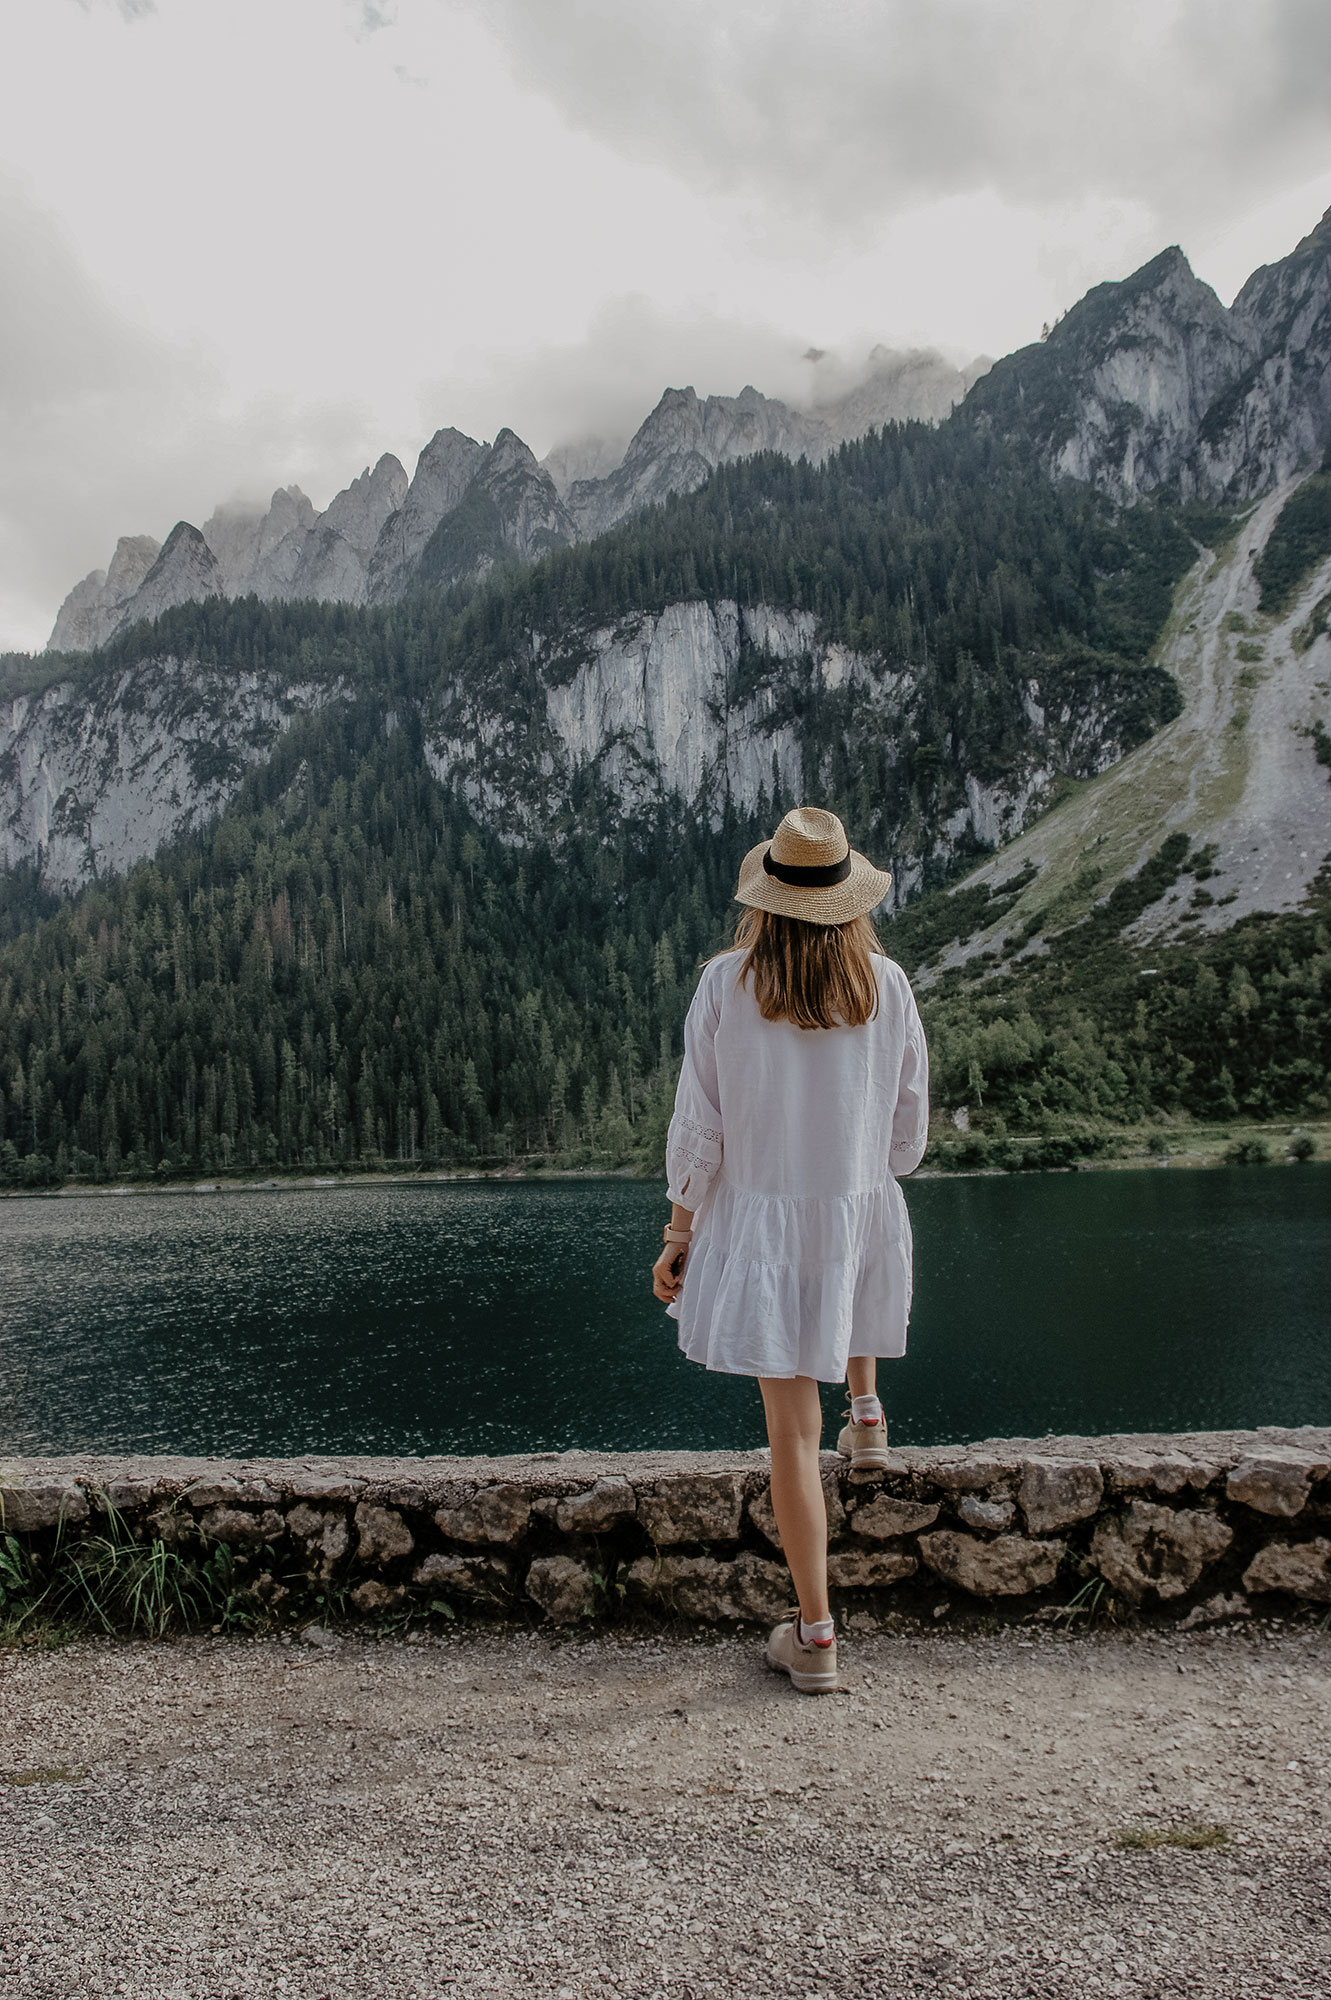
{"x":672,"y":1235}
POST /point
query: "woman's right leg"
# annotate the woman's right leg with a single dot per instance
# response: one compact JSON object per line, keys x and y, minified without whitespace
{"x":862,"y":1375}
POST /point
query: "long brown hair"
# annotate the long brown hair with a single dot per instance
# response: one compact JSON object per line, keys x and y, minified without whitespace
{"x":816,"y":975}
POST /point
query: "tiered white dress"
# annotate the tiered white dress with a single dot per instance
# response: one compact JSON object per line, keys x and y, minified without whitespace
{"x":786,"y":1143}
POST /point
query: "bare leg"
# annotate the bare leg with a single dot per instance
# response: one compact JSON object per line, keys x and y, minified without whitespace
{"x":861,"y":1375}
{"x":794,"y":1431}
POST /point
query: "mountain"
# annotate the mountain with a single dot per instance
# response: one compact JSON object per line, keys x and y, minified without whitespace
{"x":94,"y":608}
{"x":369,"y":543}
{"x":424,"y":876}
{"x":1151,"y":384}
{"x":783,"y":626}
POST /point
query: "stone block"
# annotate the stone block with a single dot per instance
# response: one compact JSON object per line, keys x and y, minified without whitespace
{"x":382,"y":1534}
{"x":564,"y":1588}
{"x":1154,"y":1472}
{"x":602,"y":1506}
{"x":242,"y":1525}
{"x":993,"y":1517}
{"x":479,"y":1579}
{"x":1275,"y":1483}
{"x":869,"y":1569}
{"x":764,"y":1519}
{"x":975,"y":1474}
{"x":312,"y":1484}
{"x":693,"y":1507}
{"x":498,"y":1513}
{"x":885,"y":1516}
{"x":127,"y":1496}
{"x":221,"y":1490}
{"x":305,"y":1522}
{"x":1159,"y":1550}
{"x":1009,"y":1566}
{"x":703,"y":1587}
{"x":1217,"y":1610}
{"x":1055,"y":1492}
{"x":41,"y":1503}
{"x":374,"y":1598}
{"x":1301,"y":1569}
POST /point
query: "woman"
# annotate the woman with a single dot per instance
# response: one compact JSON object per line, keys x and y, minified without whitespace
{"x":804,"y":1095}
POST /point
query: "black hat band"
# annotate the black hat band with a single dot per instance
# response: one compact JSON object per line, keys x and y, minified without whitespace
{"x":807,"y":878}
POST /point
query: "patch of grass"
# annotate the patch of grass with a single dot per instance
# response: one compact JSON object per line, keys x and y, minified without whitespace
{"x":1193,"y":1835}
{"x":48,"y":1774}
{"x":1250,"y":654}
{"x":110,"y":1581}
{"x":1094,"y":1600}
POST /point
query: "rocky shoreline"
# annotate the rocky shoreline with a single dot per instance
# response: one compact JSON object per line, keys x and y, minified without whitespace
{"x":1193,"y":1528}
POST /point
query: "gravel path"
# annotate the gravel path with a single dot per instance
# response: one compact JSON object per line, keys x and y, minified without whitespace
{"x":513,"y":1814}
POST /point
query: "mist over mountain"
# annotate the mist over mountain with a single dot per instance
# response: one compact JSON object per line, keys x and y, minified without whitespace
{"x":367,"y":544}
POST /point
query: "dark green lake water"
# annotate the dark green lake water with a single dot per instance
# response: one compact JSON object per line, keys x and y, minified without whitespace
{"x":489,"y":1318}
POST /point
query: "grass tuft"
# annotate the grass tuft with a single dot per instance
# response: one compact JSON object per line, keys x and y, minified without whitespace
{"x":1192,"y":1835}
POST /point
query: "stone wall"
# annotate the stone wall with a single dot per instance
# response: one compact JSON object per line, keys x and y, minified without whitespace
{"x":1193,"y":1527}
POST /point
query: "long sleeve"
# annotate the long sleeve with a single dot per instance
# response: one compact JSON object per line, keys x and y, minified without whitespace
{"x":910,"y":1123}
{"x":693,"y":1144}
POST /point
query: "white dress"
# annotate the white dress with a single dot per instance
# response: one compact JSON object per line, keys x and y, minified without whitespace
{"x":786,"y":1143}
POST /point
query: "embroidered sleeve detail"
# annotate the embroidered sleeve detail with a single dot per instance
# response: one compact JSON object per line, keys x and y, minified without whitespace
{"x":911,"y":1145}
{"x":691,"y":1159}
{"x":698,"y":1131}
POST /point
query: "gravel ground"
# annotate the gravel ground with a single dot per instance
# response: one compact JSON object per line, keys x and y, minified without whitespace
{"x":634,"y":1815}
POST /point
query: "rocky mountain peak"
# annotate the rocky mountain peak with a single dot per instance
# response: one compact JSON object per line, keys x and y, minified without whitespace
{"x":444,"y":471}
{"x":1148,"y":382}
{"x":93,"y":608}
{"x":359,"y":511}
{"x":185,"y":572}
{"x":511,"y":509}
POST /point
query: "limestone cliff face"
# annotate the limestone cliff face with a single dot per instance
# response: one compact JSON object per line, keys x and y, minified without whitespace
{"x":1276,"y":418}
{"x":96,"y":779}
{"x":1152,"y":383}
{"x":711,"y":702}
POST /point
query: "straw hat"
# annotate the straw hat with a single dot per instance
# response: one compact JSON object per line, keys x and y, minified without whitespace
{"x":808,"y":869}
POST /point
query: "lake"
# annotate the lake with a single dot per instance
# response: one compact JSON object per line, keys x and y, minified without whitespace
{"x":492,"y":1317}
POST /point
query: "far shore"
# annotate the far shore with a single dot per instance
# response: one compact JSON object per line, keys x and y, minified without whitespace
{"x":1152,"y":1147}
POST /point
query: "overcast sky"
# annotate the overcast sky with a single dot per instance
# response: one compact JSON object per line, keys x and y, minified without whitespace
{"x":250,"y":241}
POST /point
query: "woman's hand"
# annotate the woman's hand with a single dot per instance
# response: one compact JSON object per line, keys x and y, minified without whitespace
{"x":668,"y":1272}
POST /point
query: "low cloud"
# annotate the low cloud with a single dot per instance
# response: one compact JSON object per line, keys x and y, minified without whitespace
{"x":604,"y":385}
{"x":107,"y":430}
{"x":839,"y":113}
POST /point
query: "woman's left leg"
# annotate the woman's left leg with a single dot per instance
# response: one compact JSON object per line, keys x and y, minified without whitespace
{"x":795,"y":1431}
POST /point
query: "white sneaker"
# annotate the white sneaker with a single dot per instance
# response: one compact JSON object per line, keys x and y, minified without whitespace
{"x":865,"y":1445}
{"x":812,"y":1669}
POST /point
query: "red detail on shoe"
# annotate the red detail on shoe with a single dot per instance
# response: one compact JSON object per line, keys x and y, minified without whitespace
{"x":822,"y":1642}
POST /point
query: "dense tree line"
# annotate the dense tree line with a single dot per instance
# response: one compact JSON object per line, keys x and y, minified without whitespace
{"x":349,"y":971}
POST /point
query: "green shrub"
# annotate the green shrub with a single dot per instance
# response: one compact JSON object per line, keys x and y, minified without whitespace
{"x":1248,"y":1153}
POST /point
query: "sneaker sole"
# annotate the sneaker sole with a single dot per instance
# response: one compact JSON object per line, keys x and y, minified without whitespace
{"x":806,"y":1683}
{"x":875,"y":1460}
{"x":813,"y":1683}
